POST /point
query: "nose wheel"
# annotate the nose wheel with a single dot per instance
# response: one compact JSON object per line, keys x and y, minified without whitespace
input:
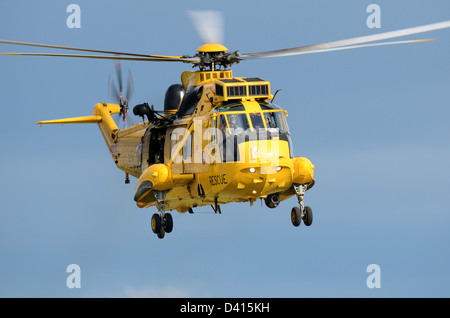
{"x":303,"y":212}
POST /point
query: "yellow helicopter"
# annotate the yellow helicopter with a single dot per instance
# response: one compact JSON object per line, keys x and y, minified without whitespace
{"x":219,"y":139}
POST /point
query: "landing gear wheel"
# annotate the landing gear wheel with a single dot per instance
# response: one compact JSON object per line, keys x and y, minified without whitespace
{"x":156,"y":223}
{"x":168,"y":223}
{"x":296,"y":216}
{"x":161,"y":222}
{"x":161,"y":233}
{"x":307,"y":216}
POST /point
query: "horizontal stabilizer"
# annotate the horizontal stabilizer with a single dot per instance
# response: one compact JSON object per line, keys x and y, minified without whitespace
{"x":74,"y":120}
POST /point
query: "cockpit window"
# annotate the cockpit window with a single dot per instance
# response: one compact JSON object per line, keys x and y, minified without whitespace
{"x":257,"y":121}
{"x":274,"y":121}
{"x":268,"y":106}
{"x":222,"y":124}
{"x":228,"y":107}
{"x":237,"y":123}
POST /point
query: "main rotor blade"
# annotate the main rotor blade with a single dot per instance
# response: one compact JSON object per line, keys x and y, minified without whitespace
{"x":81,"y":49}
{"x":329,"y":46}
{"x":348,"y":47}
{"x":194,"y":60}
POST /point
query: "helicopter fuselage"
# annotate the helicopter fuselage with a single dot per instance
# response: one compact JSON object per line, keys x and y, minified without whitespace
{"x":221,"y":139}
{"x":205,"y":157}
{"x":224,"y":141}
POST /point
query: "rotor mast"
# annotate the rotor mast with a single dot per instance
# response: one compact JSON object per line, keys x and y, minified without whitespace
{"x":212,"y":55}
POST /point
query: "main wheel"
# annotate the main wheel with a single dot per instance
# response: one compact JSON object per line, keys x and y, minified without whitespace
{"x":161,"y":233}
{"x":168,"y":222}
{"x":296,"y":216}
{"x":156,"y":223}
{"x":308,"y":216}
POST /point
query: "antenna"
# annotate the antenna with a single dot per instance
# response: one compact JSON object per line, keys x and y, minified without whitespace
{"x":275,"y":95}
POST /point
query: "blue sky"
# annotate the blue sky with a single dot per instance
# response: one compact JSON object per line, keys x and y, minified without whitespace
{"x":374,"y":121}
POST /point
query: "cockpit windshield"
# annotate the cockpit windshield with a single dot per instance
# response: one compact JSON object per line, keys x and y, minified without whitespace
{"x":234,"y":119}
{"x":237,"y":123}
{"x":234,"y":123}
{"x":274,"y":121}
{"x":257,"y":121}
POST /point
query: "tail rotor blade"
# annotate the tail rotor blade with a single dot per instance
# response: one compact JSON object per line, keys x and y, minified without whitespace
{"x":119,"y":76}
{"x":112,"y":90}
{"x":130,"y":86}
{"x":118,"y":95}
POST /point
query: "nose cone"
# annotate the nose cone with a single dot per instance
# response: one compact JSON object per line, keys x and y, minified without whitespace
{"x":160,"y":175}
{"x":303,"y":171}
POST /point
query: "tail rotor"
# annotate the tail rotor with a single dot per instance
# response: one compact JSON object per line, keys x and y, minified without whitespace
{"x":117,"y":93}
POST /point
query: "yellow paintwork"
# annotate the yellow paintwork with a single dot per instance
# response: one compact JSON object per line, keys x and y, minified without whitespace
{"x":264,"y":166}
{"x":241,"y":82}
{"x":303,"y":170}
{"x":73,"y":120}
{"x":212,"y":48}
{"x":194,"y":78}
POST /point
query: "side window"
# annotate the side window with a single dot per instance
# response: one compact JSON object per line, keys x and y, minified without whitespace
{"x":187,"y":150}
{"x":285,"y":122}
{"x":175,"y":138}
{"x":279,"y":121}
{"x":213,"y":130}
{"x":222,"y":125}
